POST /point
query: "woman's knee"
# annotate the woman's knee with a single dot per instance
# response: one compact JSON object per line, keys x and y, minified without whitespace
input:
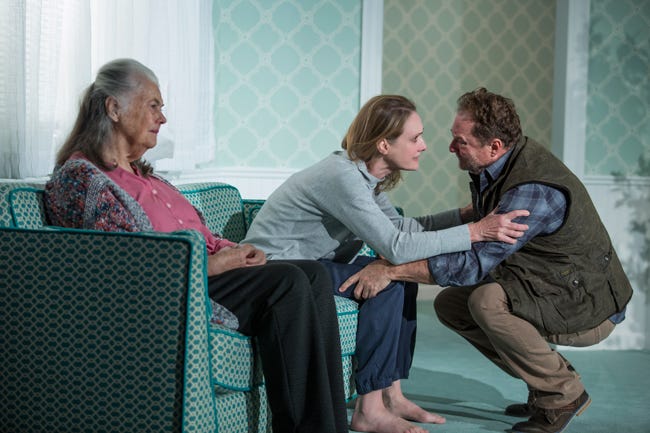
{"x":281,"y":274}
{"x":316,"y":272}
{"x":306,"y":278}
{"x":394,"y":293}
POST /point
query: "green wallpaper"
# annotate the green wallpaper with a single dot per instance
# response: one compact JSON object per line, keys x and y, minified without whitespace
{"x":435,"y":50}
{"x":287,"y":81}
{"x":618,"y":104}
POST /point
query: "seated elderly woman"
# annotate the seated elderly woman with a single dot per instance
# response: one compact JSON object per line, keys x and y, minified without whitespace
{"x":101,"y":182}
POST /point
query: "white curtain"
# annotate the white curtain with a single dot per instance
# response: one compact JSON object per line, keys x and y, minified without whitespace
{"x":50,"y":50}
{"x":38,"y":72}
{"x":173,"y":38}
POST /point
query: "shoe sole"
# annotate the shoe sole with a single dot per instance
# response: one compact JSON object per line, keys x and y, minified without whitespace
{"x":579,"y":412}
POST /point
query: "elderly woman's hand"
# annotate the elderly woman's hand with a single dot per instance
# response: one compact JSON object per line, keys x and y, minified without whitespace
{"x":235,"y":257}
{"x":254,"y":257}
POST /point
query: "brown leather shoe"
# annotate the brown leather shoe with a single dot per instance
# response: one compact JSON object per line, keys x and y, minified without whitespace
{"x":522,"y":410}
{"x":525,"y":410}
{"x":553,"y":420}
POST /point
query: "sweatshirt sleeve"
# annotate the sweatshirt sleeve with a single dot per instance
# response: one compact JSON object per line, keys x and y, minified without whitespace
{"x":442,"y":220}
{"x":373,"y":219}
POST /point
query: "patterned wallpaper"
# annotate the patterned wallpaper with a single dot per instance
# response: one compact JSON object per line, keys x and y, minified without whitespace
{"x":435,"y":50}
{"x":287,"y":80}
{"x":618,"y":104}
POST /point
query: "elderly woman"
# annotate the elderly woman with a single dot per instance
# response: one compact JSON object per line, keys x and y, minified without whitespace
{"x":327,"y":208}
{"x":101,"y":182}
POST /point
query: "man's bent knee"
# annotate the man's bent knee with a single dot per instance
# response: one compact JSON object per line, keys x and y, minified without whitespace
{"x":485,"y":300}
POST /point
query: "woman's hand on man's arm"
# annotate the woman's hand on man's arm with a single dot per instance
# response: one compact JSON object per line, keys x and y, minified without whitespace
{"x":499,"y":227}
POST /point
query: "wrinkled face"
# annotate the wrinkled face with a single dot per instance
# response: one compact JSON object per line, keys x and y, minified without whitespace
{"x":403,"y":153}
{"x":472,"y":155}
{"x":140,"y":122}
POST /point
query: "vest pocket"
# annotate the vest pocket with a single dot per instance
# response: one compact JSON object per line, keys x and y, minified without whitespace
{"x":542,"y":288}
{"x":566,"y":280}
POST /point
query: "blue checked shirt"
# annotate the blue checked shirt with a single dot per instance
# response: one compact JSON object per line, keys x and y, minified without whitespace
{"x":547,"y":207}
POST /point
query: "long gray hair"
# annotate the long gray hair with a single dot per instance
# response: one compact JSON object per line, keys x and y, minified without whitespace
{"x":93,"y":128}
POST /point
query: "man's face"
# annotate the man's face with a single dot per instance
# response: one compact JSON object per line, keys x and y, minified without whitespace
{"x":472,"y":155}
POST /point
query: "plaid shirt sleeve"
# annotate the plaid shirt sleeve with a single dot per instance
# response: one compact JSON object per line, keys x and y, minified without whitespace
{"x":547,"y":207}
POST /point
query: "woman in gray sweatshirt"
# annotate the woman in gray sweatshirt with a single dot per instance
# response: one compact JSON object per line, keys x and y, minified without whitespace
{"x":326,"y":212}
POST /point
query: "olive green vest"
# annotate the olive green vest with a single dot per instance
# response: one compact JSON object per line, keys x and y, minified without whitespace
{"x":572,"y":279}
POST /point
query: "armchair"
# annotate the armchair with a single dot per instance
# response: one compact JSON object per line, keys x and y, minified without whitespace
{"x":88,"y":344}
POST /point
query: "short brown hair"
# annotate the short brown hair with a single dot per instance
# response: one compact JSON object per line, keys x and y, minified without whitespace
{"x":494,"y":116}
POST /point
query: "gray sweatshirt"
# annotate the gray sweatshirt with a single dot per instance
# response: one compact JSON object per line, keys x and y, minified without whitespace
{"x":328,"y":205}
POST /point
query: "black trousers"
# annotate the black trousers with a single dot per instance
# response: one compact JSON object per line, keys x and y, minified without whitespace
{"x":289,"y":307}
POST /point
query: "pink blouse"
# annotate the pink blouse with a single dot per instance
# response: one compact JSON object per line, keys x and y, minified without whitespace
{"x":166,"y":208}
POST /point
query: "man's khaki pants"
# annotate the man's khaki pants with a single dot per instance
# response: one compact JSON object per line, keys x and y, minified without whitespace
{"x":482,"y":316}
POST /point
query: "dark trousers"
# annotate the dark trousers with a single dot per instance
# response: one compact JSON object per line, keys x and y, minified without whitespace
{"x":386,"y":328}
{"x":289,"y":307}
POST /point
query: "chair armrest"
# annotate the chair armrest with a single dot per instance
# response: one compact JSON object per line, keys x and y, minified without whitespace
{"x":26,"y":207}
{"x":95,"y":328}
{"x":8,"y":202}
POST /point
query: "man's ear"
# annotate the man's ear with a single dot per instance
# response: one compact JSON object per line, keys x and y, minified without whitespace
{"x":496,"y":147}
{"x":111,"y":108}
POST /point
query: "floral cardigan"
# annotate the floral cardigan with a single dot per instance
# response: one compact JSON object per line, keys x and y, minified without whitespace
{"x":80,"y":195}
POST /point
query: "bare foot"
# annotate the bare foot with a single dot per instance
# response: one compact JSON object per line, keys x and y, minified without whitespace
{"x":395,"y":401}
{"x":382,"y":422}
{"x":406,"y":409}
